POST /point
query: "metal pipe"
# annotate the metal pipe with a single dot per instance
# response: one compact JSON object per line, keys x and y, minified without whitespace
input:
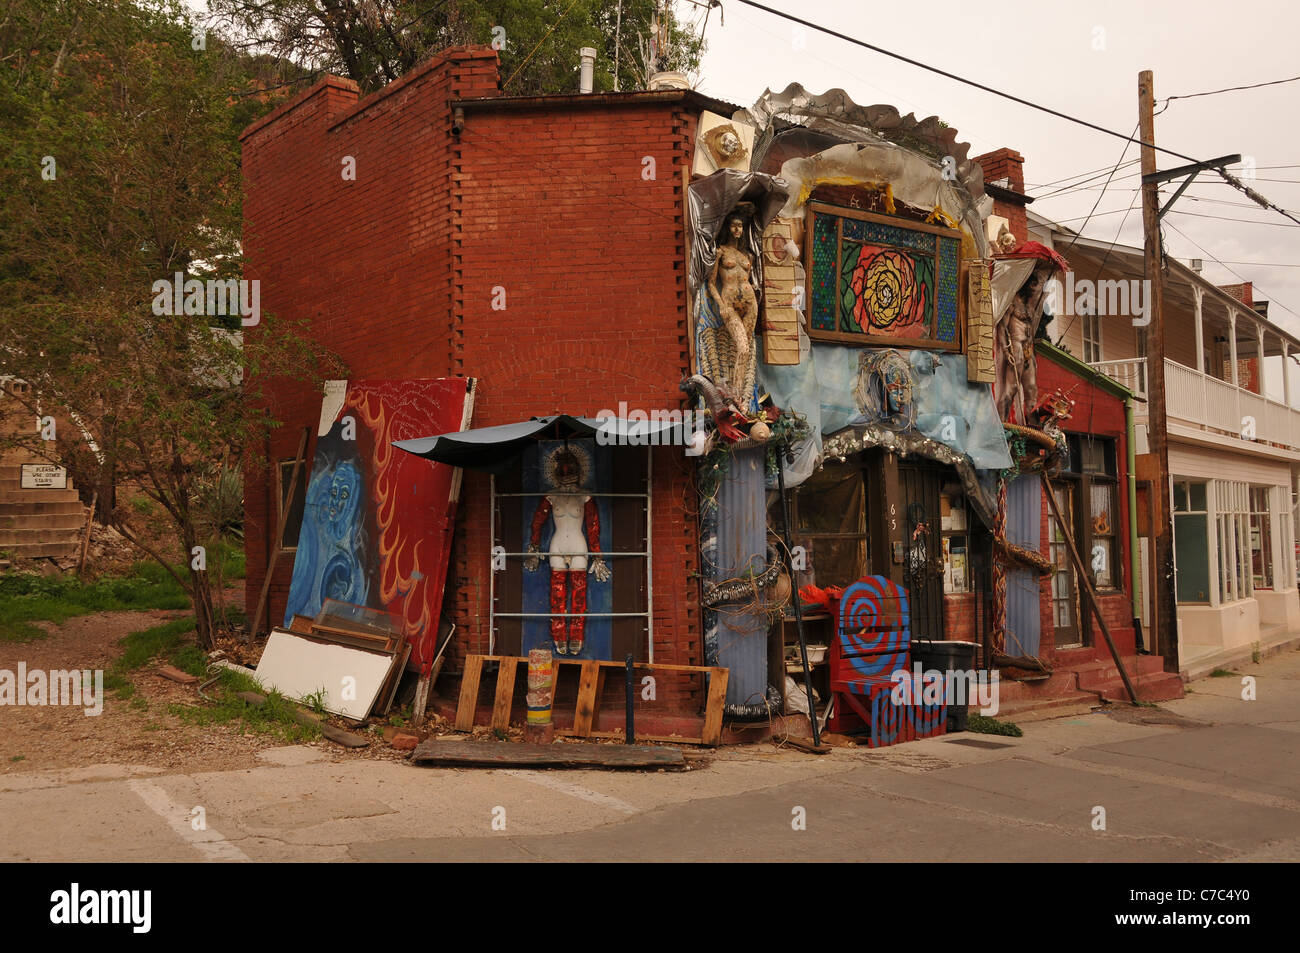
{"x":781,"y":451}
{"x":587,"y":58}
{"x":629,"y":734}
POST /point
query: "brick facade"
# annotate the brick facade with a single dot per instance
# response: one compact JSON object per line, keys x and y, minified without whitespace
{"x":396,"y":272}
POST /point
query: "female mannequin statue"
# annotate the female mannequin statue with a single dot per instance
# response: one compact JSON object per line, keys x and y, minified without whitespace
{"x":733,"y":296}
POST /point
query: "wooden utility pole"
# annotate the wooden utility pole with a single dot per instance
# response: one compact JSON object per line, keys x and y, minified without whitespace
{"x":1166,"y":608}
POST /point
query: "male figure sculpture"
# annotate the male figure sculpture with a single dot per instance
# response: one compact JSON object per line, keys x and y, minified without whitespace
{"x":576,"y":537}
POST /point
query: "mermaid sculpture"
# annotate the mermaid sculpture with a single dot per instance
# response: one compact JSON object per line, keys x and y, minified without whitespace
{"x":733,"y":296}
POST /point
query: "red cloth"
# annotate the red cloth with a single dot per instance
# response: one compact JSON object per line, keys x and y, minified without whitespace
{"x":1039,"y":251}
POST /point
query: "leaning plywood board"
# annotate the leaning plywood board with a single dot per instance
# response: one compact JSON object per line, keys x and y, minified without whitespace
{"x":296,"y":667}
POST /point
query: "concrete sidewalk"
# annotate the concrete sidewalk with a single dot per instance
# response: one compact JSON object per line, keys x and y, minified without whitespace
{"x":1209,"y":777}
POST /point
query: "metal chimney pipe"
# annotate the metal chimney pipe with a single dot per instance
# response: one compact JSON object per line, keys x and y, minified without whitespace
{"x":588,"y":55}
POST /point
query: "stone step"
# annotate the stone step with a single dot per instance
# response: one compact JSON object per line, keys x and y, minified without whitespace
{"x":1063,"y":706}
{"x":43,"y":521}
{"x":32,"y":509}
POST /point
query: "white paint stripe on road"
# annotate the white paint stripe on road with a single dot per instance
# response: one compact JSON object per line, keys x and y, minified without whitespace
{"x":211,"y":844}
{"x":573,"y":790}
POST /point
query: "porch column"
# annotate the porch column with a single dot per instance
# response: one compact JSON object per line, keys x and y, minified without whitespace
{"x":1259,"y":361}
{"x":1232,"y":346}
{"x":1286,"y":373}
{"x":1197,"y":294}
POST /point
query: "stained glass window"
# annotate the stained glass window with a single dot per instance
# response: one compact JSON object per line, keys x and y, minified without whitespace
{"x":878,"y":279}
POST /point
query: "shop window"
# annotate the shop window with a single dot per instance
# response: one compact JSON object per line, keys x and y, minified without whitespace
{"x":1191,"y":545}
{"x":882,"y":280}
{"x":1261,"y":538}
{"x":1095,"y":494}
{"x":1233,"y":537}
{"x":293,"y":523}
{"x":828,"y":519}
{"x":954,"y":530}
{"x":525,"y":607}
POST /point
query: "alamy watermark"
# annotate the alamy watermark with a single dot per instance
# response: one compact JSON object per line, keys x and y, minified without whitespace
{"x":79,"y":688}
{"x":216,"y":297}
{"x":1129,"y":298}
{"x":955,"y":686}
{"x":653,"y":428}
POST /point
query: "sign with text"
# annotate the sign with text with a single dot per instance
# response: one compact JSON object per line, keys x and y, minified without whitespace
{"x":44,"y":476}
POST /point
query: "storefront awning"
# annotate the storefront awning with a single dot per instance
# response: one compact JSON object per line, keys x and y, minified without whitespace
{"x":495,"y":449}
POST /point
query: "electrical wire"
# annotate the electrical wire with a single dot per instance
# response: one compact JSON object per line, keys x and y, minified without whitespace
{"x":1229,"y":89}
{"x":1254,"y":196}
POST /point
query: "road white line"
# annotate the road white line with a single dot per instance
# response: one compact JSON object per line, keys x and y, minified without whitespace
{"x":210,"y":843}
{"x":573,"y":790}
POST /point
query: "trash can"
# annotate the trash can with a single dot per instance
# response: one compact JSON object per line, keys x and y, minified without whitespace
{"x":947,"y":656}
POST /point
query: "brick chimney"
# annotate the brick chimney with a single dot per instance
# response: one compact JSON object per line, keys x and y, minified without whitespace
{"x":1242,"y":292}
{"x":1004,"y":180}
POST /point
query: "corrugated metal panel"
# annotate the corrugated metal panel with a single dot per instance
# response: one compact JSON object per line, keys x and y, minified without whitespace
{"x":1024,"y":527}
{"x":742,"y":545}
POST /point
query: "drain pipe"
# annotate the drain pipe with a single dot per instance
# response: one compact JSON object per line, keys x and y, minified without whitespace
{"x":1134,"y":556}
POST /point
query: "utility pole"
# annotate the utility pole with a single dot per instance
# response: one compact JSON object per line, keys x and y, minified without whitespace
{"x":1165,"y":602}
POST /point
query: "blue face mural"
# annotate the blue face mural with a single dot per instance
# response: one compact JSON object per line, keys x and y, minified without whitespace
{"x":332,"y":544}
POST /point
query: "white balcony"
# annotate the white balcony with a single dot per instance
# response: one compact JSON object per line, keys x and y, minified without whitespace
{"x":1205,"y":403}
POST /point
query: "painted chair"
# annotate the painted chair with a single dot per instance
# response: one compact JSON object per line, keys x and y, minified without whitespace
{"x":873,"y":641}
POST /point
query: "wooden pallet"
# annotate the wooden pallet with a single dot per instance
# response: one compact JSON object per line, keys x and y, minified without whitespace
{"x":591,"y":681}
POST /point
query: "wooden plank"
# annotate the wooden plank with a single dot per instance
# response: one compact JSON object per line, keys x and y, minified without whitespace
{"x":495,"y":754}
{"x":300,"y":457}
{"x":469,"y":692}
{"x":586,"y":708}
{"x":667,"y":739}
{"x":712,"y":734}
{"x":505,"y":693}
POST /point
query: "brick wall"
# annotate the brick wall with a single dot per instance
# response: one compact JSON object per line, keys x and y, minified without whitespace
{"x":397,"y":272}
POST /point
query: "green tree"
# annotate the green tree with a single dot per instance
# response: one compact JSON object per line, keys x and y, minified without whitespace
{"x":375,"y":41}
{"x":120,"y":169}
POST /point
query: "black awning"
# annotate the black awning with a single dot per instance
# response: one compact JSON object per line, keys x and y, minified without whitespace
{"x":495,"y":449}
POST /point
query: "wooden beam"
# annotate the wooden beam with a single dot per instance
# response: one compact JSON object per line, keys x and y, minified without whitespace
{"x":285,"y":505}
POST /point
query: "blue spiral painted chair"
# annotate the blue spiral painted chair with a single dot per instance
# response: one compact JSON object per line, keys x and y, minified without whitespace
{"x":872,"y":642}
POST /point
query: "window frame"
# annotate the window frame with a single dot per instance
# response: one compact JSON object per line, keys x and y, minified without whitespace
{"x":282,"y":475}
{"x":798,"y":537}
{"x":816,"y":208}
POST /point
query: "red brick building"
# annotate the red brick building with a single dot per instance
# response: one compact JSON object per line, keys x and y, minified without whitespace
{"x":555,"y":206}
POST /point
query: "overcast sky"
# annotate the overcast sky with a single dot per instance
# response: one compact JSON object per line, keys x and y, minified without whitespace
{"x":1045,"y":52}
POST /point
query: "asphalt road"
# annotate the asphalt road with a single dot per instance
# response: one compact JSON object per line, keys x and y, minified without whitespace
{"x":1211,"y":777}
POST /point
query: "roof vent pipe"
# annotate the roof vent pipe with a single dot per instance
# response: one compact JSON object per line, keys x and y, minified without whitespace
{"x":585,"y":71}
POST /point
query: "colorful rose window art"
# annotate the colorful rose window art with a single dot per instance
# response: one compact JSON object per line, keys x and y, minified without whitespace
{"x":877,"y":278}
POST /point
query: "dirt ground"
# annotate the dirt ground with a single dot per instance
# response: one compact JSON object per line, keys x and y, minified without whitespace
{"x":37,"y":738}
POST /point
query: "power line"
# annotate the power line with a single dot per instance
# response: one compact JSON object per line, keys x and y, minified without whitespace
{"x":1253,"y":195}
{"x":1232,"y":89}
{"x":1102,"y":194}
{"x":1210,"y":256}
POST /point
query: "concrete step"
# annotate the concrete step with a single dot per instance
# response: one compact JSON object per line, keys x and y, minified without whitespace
{"x":40,"y":496}
{"x":35,"y":509}
{"x":1161,"y":687}
{"x":43,"y":521}
{"x":1078,"y":703}
{"x":1056,"y":685}
{"x":19,"y":537}
{"x":35,"y":550}
{"x":1104,"y":671}
{"x":9,"y":484}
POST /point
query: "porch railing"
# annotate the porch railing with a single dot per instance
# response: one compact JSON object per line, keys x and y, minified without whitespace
{"x":1206,"y":402}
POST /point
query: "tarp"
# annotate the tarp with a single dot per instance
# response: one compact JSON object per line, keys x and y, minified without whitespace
{"x":949,"y":409}
{"x":496,"y":449}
